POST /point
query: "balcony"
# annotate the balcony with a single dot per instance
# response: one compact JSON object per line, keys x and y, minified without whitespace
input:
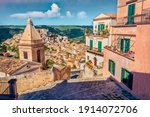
{"x":98,"y":36}
{"x":94,"y":51}
{"x":128,"y":55}
{"x":143,"y":18}
{"x":131,"y":1}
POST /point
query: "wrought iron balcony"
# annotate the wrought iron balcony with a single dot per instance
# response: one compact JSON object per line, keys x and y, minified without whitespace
{"x":130,"y":54}
{"x":143,"y":18}
{"x":94,"y":51}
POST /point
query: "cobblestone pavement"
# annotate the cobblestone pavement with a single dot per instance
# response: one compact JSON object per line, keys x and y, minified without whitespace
{"x":90,"y":90}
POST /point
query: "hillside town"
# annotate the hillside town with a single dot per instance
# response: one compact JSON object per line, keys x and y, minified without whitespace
{"x":113,"y":63}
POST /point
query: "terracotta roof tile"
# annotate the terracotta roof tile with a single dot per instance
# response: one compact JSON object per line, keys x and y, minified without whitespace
{"x":10,"y":65}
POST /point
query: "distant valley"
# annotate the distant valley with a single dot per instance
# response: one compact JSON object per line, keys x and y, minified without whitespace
{"x":72,"y":32}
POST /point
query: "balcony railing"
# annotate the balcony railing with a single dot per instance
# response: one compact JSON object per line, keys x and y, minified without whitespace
{"x":94,"y":51}
{"x":129,"y":55}
{"x":139,"y":18}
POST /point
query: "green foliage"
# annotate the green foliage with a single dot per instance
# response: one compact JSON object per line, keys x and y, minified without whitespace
{"x":63,"y":63}
{"x":74,"y":67}
{"x":16,"y":52}
{"x":3,"y":48}
{"x":14,"y":49}
{"x":46,"y":48}
{"x":49,"y":64}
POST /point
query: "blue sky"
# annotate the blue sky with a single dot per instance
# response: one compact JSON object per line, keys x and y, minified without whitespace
{"x":54,"y":12}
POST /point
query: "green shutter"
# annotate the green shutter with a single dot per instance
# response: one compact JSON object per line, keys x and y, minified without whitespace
{"x":127,"y":78}
{"x":131,"y":12}
{"x":127,"y":45}
{"x":109,"y":66}
{"x":122,"y":74}
{"x":112,"y":67}
{"x":99,"y":46}
{"x":102,"y":26}
{"x":99,"y":28}
{"x":113,"y":71}
{"x":122,"y":45}
{"x":91,"y":44}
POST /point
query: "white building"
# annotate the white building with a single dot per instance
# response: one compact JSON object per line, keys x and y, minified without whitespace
{"x":99,"y":39}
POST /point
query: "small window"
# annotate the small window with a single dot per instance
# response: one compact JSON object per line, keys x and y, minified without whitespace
{"x":127,"y":78}
{"x":125,"y":45}
{"x":111,"y":67}
{"x":25,"y":54}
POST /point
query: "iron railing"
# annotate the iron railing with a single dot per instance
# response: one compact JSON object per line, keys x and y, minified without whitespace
{"x":144,"y":18}
{"x":94,"y":51}
{"x":130,"y":54}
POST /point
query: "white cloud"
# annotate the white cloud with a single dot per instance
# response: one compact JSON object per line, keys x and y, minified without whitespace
{"x":82,"y":15}
{"x":69,"y":14}
{"x":33,"y":14}
{"x":53,"y":12}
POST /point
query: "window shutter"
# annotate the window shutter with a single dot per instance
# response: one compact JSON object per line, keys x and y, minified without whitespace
{"x":131,"y":12}
{"x":113,"y":71}
{"x":102,"y":26}
{"x":127,"y":45}
{"x":91,"y":44}
{"x":122,"y":45}
{"x":99,"y":27}
{"x":122,"y":74}
{"x":109,"y":65}
{"x":99,"y":46}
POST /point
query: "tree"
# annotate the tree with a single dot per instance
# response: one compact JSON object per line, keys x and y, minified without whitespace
{"x":49,"y":64}
{"x":3,"y":48}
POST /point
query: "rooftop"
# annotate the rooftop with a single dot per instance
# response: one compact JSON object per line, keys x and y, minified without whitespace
{"x":104,"y":16}
{"x":81,"y":90}
{"x":30,"y":33}
{"x":10,"y":65}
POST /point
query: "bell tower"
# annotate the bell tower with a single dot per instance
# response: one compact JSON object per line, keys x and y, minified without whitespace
{"x":31,"y":46}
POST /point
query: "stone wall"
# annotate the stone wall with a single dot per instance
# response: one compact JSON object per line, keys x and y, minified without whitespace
{"x":31,"y":81}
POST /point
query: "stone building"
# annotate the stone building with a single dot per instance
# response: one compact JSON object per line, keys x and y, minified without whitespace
{"x":61,"y":72}
{"x":31,"y":46}
{"x":127,"y":59}
{"x":14,"y":67}
{"x":99,"y":39}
